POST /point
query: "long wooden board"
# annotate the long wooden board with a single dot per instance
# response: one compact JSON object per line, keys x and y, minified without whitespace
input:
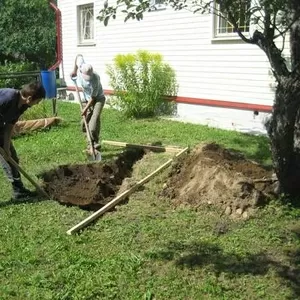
{"x":120,"y":197}
{"x":171,"y":149}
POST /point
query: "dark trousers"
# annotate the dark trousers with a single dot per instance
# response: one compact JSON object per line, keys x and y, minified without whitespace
{"x":94,"y":121}
{"x":11,"y":172}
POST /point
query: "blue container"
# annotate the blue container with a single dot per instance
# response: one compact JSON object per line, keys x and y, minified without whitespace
{"x":49,"y":83}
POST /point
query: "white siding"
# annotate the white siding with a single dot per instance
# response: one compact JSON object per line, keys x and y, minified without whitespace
{"x":205,"y":68}
{"x":232,"y":119}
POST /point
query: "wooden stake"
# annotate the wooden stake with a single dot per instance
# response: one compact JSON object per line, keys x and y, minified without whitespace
{"x":120,"y":197}
{"x":150,"y":147}
{"x":14,"y":163}
{"x":265,"y":180}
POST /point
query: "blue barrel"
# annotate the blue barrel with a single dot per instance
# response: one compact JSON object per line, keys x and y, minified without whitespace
{"x":49,"y":83}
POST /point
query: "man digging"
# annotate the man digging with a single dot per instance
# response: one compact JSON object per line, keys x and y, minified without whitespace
{"x":93,"y":94}
{"x":13,"y":103}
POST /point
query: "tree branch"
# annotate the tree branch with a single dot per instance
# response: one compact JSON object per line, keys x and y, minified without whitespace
{"x":277,"y":62}
{"x":294,"y":20}
{"x":232,"y":20}
{"x":268,"y":31}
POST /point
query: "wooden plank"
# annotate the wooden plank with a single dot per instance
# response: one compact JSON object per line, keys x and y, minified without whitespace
{"x":120,"y":197}
{"x":171,"y":149}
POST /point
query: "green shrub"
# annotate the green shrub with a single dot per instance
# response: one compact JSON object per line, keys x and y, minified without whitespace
{"x":10,"y":67}
{"x":140,"y":82}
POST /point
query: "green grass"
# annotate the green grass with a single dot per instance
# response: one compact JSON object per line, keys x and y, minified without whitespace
{"x":144,"y":249}
{"x":38,"y":111}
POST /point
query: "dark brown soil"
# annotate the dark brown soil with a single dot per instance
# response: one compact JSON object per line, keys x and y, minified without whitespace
{"x":90,"y":186}
{"x":216,"y":176}
{"x":209,"y":175}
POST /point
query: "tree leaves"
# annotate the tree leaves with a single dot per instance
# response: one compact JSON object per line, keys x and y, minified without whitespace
{"x":27,"y":31}
{"x":132,"y":9}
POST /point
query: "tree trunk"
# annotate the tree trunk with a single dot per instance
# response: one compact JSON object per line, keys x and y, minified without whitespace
{"x":284,"y":125}
{"x":295,"y":36}
{"x":284,"y":133}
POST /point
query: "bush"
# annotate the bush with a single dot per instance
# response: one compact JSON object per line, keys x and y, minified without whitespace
{"x":140,"y":82}
{"x":10,"y":67}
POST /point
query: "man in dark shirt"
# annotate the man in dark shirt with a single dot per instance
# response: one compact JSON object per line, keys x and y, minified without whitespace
{"x":13,"y":103}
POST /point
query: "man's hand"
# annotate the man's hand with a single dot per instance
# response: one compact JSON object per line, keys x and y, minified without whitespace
{"x":73,"y":75}
{"x":88,"y":107}
{"x":84,"y":112}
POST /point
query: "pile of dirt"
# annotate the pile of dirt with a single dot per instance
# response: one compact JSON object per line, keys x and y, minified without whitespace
{"x":90,"y":186}
{"x":211,"y":174}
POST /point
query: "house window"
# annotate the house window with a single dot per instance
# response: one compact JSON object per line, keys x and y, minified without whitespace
{"x":225,"y":28}
{"x":157,"y":5}
{"x":86,"y":23}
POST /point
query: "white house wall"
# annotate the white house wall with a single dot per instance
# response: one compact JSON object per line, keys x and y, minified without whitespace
{"x":229,"y":70}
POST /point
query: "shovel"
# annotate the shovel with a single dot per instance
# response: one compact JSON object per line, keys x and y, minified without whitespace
{"x":22,"y":171}
{"x":95,"y":155}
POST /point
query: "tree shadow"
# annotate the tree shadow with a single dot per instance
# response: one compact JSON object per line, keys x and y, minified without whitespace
{"x":197,"y":255}
{"x":262,"y":152}
{"x":290,"y":273}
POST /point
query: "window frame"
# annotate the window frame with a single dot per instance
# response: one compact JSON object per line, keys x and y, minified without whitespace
{"x":80,"y":35}
{"x":154,"y":6}
{"x":227,"y":35}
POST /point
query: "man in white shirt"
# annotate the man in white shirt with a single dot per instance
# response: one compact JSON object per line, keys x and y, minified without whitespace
{"x":93,"y":93}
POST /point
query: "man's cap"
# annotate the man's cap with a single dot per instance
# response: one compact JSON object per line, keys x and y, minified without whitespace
{"x":86,"y":71}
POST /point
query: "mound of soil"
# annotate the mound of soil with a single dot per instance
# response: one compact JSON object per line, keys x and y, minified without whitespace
{"x":213,"y":175}
{"x":90,"y":186}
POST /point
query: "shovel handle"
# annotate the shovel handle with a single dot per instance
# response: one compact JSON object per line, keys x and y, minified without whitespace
{"x":29,"y":178}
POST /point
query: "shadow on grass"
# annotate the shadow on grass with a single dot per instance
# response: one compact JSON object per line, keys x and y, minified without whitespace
{"x":262,"y":152}
{"x":22,"y":201}
{"x":198,"y":255}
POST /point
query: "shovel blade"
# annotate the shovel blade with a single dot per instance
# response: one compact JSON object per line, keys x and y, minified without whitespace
{"x":96,"y":157}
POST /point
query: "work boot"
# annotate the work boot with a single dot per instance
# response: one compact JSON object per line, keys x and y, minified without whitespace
{"x":20,"y":192}
{"x":23,"y":194}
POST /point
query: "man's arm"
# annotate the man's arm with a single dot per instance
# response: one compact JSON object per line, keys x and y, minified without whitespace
{"x":75,"y":69}
{"x":88,"y":105}
{"x":95,"y":91}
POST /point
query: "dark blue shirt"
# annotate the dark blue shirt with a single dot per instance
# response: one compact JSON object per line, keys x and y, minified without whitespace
{"x":9,"y":110}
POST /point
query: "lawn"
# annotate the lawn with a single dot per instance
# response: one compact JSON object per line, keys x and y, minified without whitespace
{"x":145,"y":249}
